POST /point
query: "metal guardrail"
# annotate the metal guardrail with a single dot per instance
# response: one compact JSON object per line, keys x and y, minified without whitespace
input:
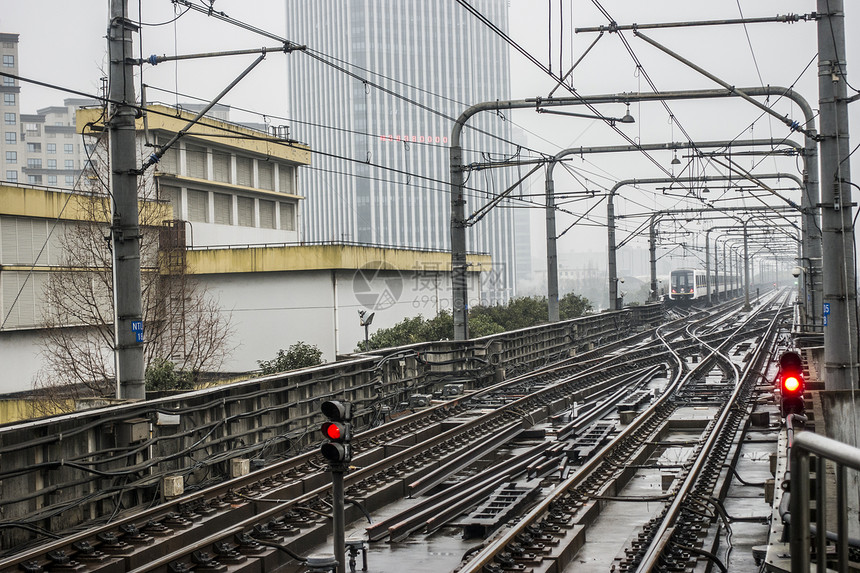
{"x":844,"y":456}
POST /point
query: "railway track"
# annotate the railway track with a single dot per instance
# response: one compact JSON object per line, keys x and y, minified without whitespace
{"x":551,"y":534}
{"x":268,"y":519}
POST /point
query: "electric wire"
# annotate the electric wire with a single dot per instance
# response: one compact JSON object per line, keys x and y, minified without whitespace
{"x":487,"y":22}
{"x":842,"y":71}
{"x":672,"y":117}
{"x":332,"y":63}
{"x":32,"y":268}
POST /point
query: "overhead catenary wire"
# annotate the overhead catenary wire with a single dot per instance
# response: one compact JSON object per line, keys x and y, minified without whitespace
{"x":232,"y":132}
{"x":487,"y":22}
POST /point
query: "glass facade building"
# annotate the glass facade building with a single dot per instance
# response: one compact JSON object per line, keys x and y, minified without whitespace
{"x":376,"y":97}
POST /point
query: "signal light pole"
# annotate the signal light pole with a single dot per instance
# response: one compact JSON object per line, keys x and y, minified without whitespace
{"x":336,"y":448}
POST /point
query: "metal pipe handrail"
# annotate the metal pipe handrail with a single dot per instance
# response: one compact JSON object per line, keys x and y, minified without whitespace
{"x":845,"y":456}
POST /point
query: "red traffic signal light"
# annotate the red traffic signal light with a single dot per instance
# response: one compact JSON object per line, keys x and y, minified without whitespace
{"x":337,"y":431}
{"x":791,"y":383}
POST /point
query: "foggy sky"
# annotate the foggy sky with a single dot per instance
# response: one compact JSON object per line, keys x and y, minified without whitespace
{"x":63,"y":43}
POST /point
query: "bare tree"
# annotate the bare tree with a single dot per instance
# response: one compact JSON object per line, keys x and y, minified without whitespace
{"x":183,"y":323}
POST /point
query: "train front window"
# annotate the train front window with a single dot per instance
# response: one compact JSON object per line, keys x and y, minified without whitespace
{"x":682,"y":280}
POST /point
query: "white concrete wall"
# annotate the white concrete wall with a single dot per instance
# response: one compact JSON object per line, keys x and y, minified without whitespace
{"x":208,"y":234}
{"x":270,"y":311}
{"x":21,"y":360}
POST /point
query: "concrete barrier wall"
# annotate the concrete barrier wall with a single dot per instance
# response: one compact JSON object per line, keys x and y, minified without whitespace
{"x":61,"y":471}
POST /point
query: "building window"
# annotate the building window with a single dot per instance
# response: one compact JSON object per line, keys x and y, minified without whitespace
{"x":285,"y":179}
{"x":169,"y":161}
{"x":246,"y":211}
{"x":70,"y":180}
{"x":223,"y":208}
{"x":9,"y":118}
{"x":34,"y":179}
{"x":69,"y":164}
{"x":266,"y":175}
{"x":11,"y":138}
{"x":12,"y":157}
{"x":68,"y":148}
{"x":31,"y":128}
{"x":8,"y":61}
{"x":195,"y":161}
{"x":11,"y":175}
{"x":198,"y":206}
{"x":244,"y":174}
{"x":34,"y":148}
{"x":174,"y":196}
{"x":34,"y":163}
{"x":8,"y":82}
{"x":52,"y":148}
{"x":9,"y":99}
{"x":52,"y":164}
{"x":288,"y":216}
{"x":267,"y":214}
{"x":221,"y":166}
{"x":52,"y":180}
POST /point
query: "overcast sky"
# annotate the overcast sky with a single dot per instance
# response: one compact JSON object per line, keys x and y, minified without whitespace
{"x":63,"y":43}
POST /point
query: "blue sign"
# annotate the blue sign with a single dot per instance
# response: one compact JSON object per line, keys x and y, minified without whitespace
{"x":137,"y":329}
{"x":826,"y":308}
{"x":825,"y":320}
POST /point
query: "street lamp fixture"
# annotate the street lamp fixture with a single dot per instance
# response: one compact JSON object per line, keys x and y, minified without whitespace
{"x":627,"y":117}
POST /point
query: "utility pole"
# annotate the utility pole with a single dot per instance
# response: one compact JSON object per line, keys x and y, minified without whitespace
{"x":840,"y":326}
{"x":125,"y":228}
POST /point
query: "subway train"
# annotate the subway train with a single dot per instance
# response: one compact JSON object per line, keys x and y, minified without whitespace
{"x":693,"y":284}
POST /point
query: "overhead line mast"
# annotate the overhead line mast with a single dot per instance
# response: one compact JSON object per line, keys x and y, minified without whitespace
{"x":125,"y":225}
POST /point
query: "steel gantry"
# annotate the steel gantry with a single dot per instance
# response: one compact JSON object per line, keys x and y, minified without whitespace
{"x":456,"y":167}
{"x":610,"y":210}
{"x":551,"y":236}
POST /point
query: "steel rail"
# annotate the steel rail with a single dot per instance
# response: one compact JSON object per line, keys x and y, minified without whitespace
{"x":666,"y":528}
{"x":410,"y":422}
{"x":487,"y":555}
{"x":350,"y":479}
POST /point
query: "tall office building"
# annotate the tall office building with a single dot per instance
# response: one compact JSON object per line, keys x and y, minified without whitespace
{"x":380,"y":171}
